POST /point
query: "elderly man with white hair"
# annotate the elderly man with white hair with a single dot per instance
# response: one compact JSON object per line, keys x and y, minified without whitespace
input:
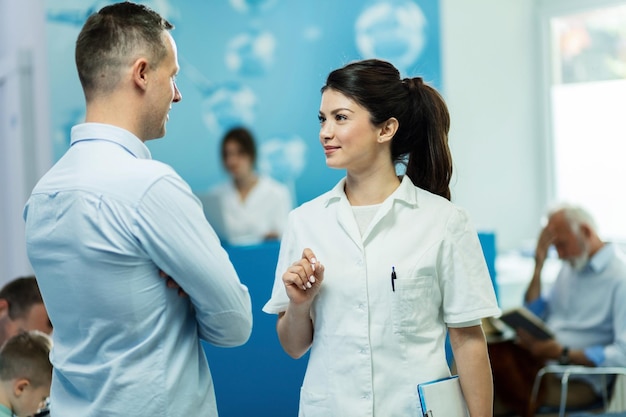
{"x":585,"y":309}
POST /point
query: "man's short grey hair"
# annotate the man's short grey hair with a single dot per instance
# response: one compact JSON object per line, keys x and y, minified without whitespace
{"x":575,"y":215}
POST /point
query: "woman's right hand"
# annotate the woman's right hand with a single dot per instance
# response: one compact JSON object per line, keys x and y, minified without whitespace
{"x":303,"y":278}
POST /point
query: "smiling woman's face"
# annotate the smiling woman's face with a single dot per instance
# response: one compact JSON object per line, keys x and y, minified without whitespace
{"x":346,"y":132}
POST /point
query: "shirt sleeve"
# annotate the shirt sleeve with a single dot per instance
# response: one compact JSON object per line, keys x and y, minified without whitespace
{"x":466,"y":286}
{"x":595,"y":354}
{"x":538,"y":306}
{"x":615,"y":353}
{"x":470,"y":323}
{"x":173,"y":230}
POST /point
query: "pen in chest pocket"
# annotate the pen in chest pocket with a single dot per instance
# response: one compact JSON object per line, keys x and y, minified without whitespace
{"x":393,"y":278}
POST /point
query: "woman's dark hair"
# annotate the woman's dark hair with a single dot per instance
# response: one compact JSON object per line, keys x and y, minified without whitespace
{"x":244,"y":138}
{"x":421,"y":141}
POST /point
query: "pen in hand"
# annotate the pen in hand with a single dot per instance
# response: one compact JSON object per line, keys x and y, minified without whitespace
{"x":393,"y":278}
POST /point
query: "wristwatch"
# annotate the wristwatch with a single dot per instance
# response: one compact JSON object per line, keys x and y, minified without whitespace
{"x":564,"y":358}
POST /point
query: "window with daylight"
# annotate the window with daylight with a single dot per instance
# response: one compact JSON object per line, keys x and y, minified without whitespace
{"x":587,"y":96}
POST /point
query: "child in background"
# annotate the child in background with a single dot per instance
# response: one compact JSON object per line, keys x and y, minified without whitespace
{"x":25,"y":374}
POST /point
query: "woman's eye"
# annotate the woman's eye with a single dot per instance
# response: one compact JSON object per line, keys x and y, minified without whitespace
{"x":340,"y":117}
{"x":321,"y":119}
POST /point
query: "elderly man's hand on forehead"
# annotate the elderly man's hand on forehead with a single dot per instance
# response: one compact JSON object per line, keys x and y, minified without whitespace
{"x":546,"y":238}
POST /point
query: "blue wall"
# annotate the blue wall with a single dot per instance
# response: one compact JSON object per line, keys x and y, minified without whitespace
{"x":257,"y":62}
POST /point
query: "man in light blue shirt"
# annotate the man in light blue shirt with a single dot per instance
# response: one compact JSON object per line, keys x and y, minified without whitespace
{"x":107,"y":227}
{"x":585,"y":310}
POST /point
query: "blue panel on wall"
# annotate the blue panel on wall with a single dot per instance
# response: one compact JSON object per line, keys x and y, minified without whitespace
{"x":259,"y":378}
{"x":488,"y":243}
{"x":260,"y":63}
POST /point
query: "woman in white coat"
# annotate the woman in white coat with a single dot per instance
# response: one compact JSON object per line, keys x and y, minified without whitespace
{"x":248,"y":208}
{"x":373,"y":274}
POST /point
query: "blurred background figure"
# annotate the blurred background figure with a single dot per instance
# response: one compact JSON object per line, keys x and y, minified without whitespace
{"x":248,"y":208}
{"x":584,"y":308}
{"x":22,"y":308}
{"x":25,"y":374}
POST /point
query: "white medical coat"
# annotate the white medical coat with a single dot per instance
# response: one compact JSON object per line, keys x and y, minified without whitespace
{"x":372,"y":345}
{"x":247,"y":222}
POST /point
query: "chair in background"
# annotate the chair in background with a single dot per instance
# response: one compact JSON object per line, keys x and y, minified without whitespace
{"x":599,"y":415}
{"x":609,"y":399}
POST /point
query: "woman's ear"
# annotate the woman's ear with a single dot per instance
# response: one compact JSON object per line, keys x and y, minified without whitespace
{"x":388,"y":129}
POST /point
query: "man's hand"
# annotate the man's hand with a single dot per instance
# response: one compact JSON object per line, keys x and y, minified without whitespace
{"x":271,"y":236}
{"x":542,"y":349}
{"x":169,"y":281}
{"x":543,"y":244}
{"x":546,"y":239}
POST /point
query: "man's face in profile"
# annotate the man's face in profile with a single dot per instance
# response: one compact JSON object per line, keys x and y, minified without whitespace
{"x":36,"y":318}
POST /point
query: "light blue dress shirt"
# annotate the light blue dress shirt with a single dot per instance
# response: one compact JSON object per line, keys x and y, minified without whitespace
{"x":99,"y":227}
{"x":586,"y":309}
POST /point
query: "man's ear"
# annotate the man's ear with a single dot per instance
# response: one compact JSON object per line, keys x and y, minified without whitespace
{"x":20,"y":385}
{"x":4,"y":308}
{"x":388,"y":129}
{"x":140,"y":73}
{"x":585,"y":230}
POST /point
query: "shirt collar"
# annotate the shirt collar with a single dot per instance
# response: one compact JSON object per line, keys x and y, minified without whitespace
{"x":100,"y":131}
{"x":406,"y":192}
{"x":601,"y":259}
{"x":5,"y":411}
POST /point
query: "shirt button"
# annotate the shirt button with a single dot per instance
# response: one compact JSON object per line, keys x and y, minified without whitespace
{"x":362,"y":351}
{"x":359,"y":262}
{"x":361,"y":306}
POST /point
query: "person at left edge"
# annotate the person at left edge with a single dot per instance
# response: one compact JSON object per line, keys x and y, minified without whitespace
{"x":107,"y":226}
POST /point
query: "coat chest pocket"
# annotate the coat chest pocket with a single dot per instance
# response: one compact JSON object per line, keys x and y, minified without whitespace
{"x":411,"y":303}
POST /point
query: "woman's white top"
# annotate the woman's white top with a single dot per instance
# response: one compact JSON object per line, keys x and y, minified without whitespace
{"x":247,"y":222}
{"x":372,"y":344}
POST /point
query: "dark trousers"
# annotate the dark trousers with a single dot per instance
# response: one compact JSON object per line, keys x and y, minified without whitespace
{"x":514,"y":371}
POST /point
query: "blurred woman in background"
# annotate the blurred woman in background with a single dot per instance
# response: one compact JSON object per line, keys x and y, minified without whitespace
{"x":248,"y":208}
